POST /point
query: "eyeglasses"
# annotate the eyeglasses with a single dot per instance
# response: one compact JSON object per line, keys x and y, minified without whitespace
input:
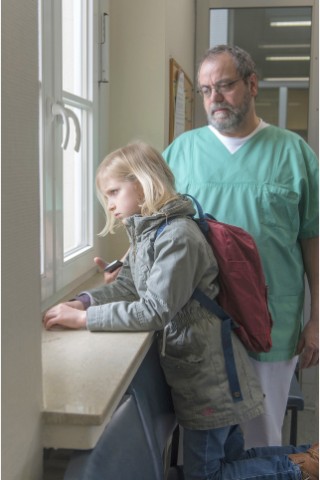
{"x":224,"y":87}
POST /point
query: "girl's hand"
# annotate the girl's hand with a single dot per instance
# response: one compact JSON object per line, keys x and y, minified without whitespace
{"x":109,"y":277}
{"x":69,"y":315}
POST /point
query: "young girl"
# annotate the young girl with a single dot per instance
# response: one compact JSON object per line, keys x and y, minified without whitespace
{"x":152,"y":292}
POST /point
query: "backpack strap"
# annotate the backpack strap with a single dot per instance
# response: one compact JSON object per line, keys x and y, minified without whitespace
{"x":226,"y":327}
{"x":201,"y":221}
{"x":213,"y":306}
{"x":162,"y":227}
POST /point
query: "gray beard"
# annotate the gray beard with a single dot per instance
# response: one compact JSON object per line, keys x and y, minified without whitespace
{"x":235,"y":117}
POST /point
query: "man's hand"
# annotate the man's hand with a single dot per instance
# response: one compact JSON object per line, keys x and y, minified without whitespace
{"x":69,"y":315}
{"x":308,"y":346}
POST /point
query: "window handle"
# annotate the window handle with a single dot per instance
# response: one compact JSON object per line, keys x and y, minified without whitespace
{"x":58,"y":110}
{"x":76,"y":122}
{"x":65,"y":113}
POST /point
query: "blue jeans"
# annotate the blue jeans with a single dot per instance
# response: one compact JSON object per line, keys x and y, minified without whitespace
{"x":219,"y":454}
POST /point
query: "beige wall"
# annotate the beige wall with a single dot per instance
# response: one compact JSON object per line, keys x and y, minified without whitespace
{"x":137,"y":71}
{"x":21,"y":319}
{"x":180,"y":32}
{"x":144,"y":33}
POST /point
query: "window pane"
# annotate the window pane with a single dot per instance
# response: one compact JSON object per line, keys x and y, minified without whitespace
{"x":67,"y":65}
{"x":74,"y":192}
{"x":74,"y":52}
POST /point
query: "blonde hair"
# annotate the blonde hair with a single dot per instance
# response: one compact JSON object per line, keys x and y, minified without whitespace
{"x":137,"y":162}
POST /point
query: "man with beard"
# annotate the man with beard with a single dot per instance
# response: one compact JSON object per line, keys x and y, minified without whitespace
{"x":263,"y":179}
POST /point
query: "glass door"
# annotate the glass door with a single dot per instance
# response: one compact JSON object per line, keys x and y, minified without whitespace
{"x":280,"y":44}
{"x":282,"y":38}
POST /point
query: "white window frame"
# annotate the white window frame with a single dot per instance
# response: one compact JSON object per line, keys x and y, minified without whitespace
{"x":61,"y":273}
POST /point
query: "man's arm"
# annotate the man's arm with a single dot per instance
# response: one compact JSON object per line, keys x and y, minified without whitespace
{"x":308,"y":346}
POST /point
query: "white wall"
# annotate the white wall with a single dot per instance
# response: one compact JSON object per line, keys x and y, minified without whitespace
{"x":21,"y":321}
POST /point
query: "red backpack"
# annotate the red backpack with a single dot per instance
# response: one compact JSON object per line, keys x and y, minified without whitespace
{"x":242,"y":301}
{"x":243,"y":290}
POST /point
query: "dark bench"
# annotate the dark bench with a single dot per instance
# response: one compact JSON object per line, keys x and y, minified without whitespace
{"x":295,"y":404}
{"x":136,"y":442}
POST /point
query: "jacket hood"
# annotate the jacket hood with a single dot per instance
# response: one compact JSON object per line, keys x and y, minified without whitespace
{"x":180,"y":206}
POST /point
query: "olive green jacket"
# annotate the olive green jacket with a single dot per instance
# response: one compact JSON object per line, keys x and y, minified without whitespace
{"x":152,"y":293}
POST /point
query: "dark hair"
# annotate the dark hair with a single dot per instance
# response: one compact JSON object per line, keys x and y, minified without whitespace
{"x":244,"y":64}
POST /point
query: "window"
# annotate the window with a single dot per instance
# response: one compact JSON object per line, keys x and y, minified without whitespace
{"x":68,"y":90}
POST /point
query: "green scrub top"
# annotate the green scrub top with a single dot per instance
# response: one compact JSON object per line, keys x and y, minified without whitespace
{"x":269,"y":187}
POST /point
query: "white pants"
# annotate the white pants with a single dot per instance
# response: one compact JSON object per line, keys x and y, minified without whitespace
{"x":266,"y":429}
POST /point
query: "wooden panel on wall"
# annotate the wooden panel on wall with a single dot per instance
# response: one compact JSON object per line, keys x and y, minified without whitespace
{"x":177,"y":72}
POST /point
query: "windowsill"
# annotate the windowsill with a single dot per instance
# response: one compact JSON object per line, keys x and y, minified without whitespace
{"x":85,"y":375}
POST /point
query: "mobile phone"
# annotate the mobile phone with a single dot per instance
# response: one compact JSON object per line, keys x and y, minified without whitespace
{"x":111,"y":267}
